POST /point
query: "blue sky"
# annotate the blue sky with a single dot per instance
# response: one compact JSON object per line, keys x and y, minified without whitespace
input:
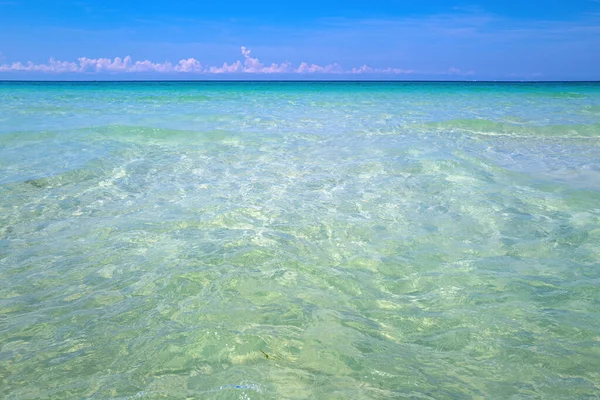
{"x":436,"y":39}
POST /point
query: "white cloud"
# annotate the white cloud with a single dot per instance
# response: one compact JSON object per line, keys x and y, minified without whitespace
{"x":104,"y":64}
{"x":456,"y":71}
{"x":250,"y":65}
{"x":363,"y":69}
{"x":253,"y":65}
{"x":226,"y":68}
{"x":52,"y":66}
{"x":189,"y":65}
{"x":314,"y":68}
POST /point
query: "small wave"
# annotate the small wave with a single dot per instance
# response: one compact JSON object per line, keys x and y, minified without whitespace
{"x":146,"y":134}
{"x":493,"y":128}
{"x":592,"y":109}
{"x":561,"y":95}
{"x":175,"y":98}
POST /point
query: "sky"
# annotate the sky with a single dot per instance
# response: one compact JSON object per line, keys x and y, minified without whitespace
{"x":308,"y":39}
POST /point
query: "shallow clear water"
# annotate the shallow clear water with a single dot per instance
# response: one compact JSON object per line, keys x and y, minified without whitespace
{"x":375,"y":240}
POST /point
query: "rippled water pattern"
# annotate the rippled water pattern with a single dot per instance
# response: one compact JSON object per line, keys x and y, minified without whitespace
{"x":299,"y":240}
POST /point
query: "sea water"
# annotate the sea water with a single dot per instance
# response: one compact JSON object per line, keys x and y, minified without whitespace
{"x":293,"y":240}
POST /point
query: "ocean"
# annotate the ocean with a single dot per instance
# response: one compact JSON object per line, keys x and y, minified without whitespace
{"x":299,"y":240}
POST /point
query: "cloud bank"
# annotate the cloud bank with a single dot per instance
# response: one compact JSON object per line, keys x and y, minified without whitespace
{"x":249,"y":65}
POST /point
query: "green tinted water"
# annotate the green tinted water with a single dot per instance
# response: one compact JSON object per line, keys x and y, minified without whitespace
{"x":374,"y":240}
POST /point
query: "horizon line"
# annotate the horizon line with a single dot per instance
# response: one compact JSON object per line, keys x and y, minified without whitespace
{"x":290,"y":80}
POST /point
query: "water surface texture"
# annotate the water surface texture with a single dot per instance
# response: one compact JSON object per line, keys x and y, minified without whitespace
{"x":299,"y":240}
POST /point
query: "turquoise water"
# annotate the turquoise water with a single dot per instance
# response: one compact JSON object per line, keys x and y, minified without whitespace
{"x":374,"y":240}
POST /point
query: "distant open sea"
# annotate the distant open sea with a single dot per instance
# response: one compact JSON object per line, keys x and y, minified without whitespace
{"x":299,"y":240}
